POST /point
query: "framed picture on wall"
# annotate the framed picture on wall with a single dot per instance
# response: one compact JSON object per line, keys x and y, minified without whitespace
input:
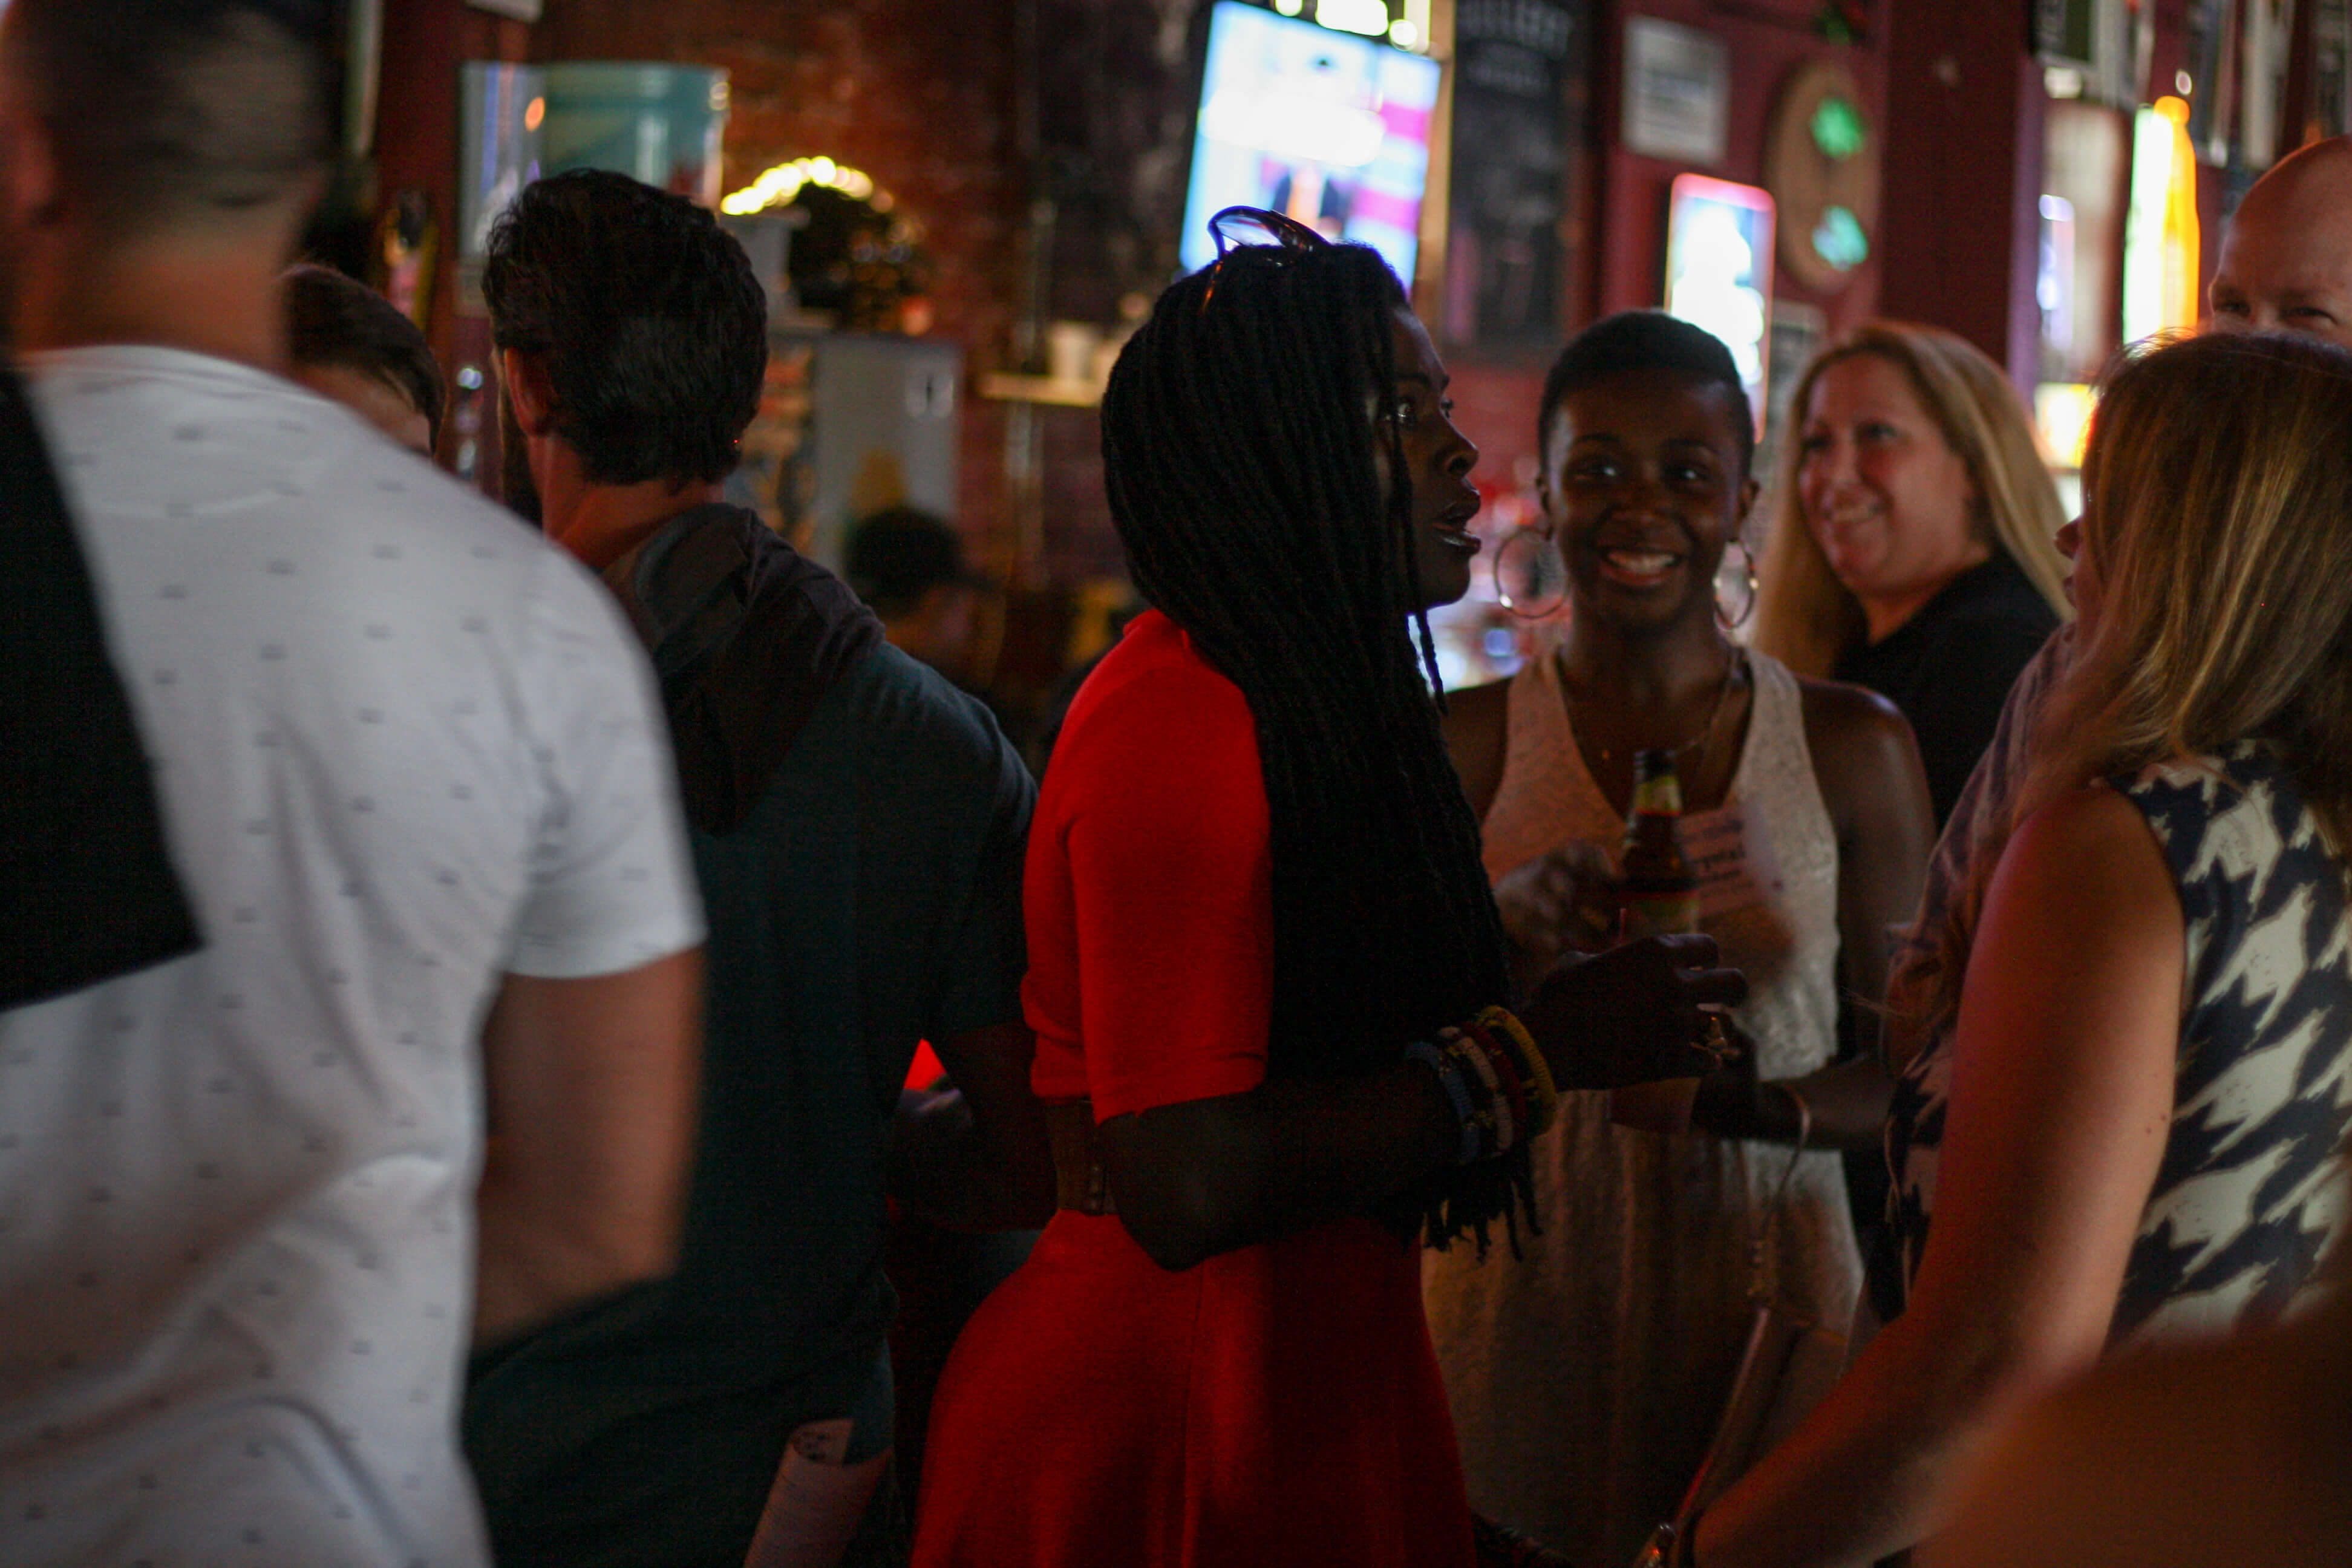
{"x":1677,"y":91}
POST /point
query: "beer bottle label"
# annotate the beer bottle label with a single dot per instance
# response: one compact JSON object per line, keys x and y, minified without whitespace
{"x":1665,"y":912}
{"x":1661,"y":795}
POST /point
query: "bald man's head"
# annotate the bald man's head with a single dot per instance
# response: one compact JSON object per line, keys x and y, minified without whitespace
{"x":2286,"y":258}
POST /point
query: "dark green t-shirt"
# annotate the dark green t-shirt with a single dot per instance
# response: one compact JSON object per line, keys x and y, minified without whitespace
{"x":870,"y":899}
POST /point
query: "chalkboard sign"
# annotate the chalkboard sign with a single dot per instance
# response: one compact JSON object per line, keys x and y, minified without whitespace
{"x":1520,"y":72}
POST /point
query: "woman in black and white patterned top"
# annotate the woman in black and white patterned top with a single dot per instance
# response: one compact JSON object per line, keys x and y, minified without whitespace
{"x":2246,"y":1196}
{"x":2127,"y":1131}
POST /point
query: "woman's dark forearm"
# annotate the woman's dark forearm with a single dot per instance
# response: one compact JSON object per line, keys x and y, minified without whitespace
{"x":1195,"y":1179}
{"x":1205,"y":1176}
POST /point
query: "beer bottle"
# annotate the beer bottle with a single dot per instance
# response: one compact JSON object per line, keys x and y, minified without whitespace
{"x":1657,"y":895}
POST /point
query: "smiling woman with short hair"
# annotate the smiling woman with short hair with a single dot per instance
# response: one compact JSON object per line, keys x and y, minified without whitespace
{"x":1587,"y":1381}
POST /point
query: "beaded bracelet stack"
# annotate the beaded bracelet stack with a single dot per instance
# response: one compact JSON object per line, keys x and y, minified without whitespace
{"x":1499,"y":1084}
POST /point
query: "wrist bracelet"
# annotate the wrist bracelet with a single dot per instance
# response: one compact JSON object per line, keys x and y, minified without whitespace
{"x":1534,"y":1077}
{"x":1490,"y":1072}
{"x":1506,"y":1073}
{"x":1532,"y":1066}
{"x":1457,"y":1094}
{"x":1474,"y":1056}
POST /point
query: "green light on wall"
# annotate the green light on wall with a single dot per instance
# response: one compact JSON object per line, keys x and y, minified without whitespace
{"x":1837,"y":130}
{"x":1838,"y":239}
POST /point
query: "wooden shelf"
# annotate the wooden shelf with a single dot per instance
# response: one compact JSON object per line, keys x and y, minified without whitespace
{"x":1042,"y":389}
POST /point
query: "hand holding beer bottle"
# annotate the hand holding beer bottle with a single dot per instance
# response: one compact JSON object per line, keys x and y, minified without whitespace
{"x":1657,"y":895}
{"x":1561,"y":901}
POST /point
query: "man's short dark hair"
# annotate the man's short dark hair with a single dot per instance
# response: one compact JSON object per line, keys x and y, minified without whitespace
{"x":165,"y":113}
{"x":900,"y":553}
{"x":1653,"y":340}
{"x":332,"y":320}
{"x":648,"y":316}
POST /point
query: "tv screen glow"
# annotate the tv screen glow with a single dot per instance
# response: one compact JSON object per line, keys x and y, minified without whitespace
{"x":1328,"y":127}
{"x":1719,"y":270}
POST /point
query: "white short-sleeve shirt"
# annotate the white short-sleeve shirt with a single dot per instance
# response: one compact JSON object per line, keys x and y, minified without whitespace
{"x":403,"y":745}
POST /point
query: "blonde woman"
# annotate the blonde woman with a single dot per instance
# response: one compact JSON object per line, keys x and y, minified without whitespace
{"x":1911,"y":546}
{"x":2127,"y":1135}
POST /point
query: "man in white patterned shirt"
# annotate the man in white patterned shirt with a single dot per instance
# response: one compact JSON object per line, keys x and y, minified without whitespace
{"x":414,"y":778}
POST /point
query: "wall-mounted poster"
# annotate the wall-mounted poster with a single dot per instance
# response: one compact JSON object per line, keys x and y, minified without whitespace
{"x":1519,"y":85}
{"x":1795,"y":334}
{"x":1677,"y":91}
{"x":2211,"y":42}
{"x":2266,"y":37}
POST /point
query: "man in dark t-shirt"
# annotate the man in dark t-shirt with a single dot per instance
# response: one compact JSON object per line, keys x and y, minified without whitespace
{"x":859,"y":829}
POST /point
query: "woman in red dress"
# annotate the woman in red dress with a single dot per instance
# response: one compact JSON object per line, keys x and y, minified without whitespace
{"x":1264,"y":967}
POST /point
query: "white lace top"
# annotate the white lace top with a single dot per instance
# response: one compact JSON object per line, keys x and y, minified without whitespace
{"x":1587,"y":1380}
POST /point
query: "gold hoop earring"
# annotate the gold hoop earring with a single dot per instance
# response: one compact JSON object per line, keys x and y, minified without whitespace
{"x":1729,"y":620}
{"x":1535,"y":587}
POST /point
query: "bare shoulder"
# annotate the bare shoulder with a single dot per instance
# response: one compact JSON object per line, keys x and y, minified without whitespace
{"x":1866,"y":762}
{"x":1477,"y":727}
{"x":2090,"y":828}
{"x":1842,"y":716}
{"x":2086,"y":861}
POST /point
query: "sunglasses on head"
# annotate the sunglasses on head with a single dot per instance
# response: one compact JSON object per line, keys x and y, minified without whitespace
{"x":1257,"y":229}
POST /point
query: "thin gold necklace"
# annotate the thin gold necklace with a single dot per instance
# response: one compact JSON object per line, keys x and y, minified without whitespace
{"x":1732,"y":663}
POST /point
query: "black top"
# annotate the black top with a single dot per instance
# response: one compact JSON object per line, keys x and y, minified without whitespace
{"x":864,"y":894}
{"x":87,"y":887}
{"x":1949,"y":668}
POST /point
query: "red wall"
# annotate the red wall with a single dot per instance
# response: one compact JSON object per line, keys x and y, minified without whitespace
{"x":425,"y":42}
{"x":1964,"y":178}
{"x":1623,"y":217}
{"x":1768,"y":39}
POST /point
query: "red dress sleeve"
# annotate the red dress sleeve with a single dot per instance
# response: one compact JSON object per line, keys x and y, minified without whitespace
{"x":1171,"y":878}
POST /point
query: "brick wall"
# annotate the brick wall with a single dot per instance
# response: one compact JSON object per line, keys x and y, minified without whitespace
{"x":917,"y":93}
{"x":1116,"y":85}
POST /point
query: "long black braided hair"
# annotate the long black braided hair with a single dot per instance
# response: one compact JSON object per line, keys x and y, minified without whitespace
{"x":1239,"y":448}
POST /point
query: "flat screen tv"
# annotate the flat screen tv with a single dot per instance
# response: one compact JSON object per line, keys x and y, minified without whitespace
{"x":1331,"y":128}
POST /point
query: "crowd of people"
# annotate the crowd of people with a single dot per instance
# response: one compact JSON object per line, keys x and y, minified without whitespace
{"x":460,"y":981}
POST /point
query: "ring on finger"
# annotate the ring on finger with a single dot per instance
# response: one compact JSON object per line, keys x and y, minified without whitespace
{"x":1713,"y":1040}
